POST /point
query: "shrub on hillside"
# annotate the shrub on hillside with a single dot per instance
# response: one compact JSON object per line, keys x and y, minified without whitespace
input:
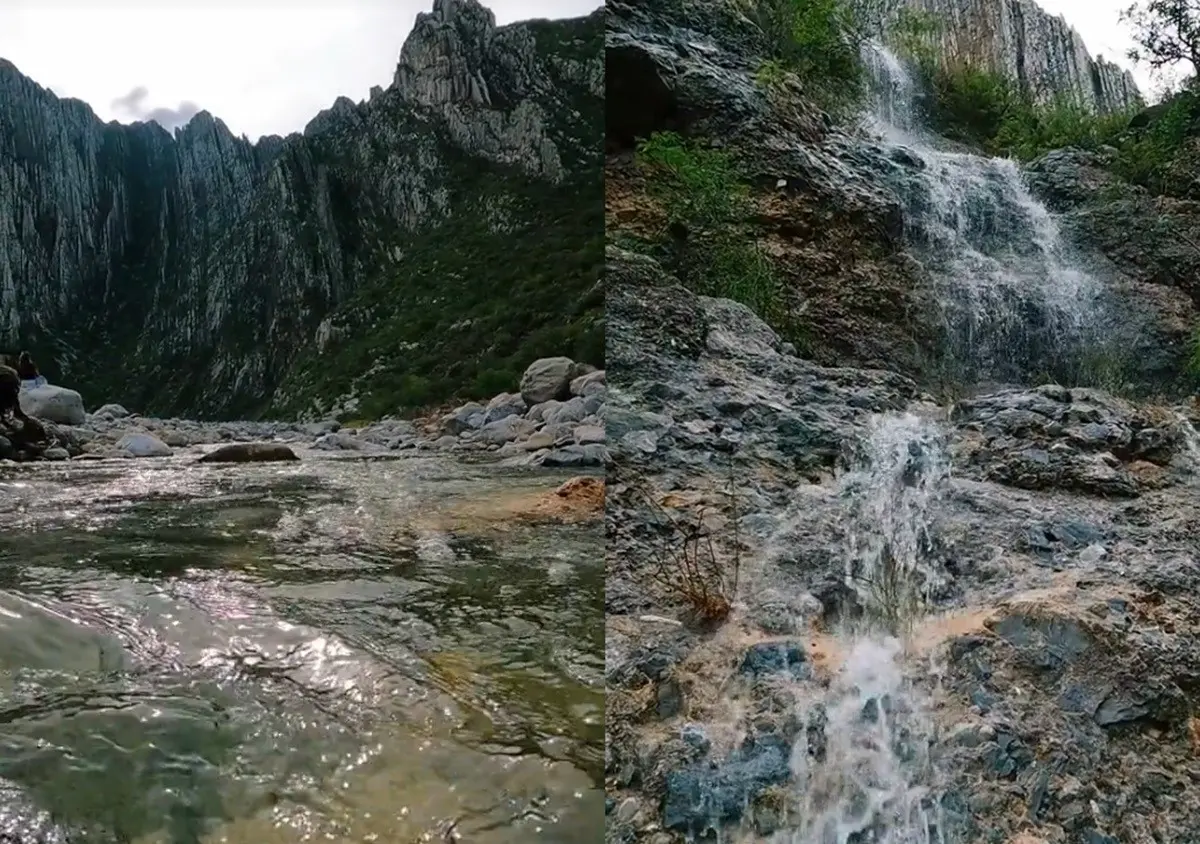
{"x":821,"y":42}
{"x":707,"y":205}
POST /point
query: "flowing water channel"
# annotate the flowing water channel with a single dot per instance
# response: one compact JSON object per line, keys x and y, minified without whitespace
{"x":1016,"y":308}
{"x":331,"y":650}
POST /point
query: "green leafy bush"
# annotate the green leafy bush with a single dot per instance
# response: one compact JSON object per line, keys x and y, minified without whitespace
{"x":710,"y":246}
{"x":821,"y":42}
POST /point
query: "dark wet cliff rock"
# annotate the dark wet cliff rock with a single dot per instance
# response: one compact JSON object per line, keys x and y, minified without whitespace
{"x":1042,"y":52}
{"x":854,"y":227}
{"x":833,"y":229}
{"x":398,"y":251}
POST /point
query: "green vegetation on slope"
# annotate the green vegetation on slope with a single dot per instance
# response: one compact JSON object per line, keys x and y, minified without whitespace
{"x":985,"y":110}
{"x":514,"y":275}
{"x":820,"y":41}
{"x":707,"y":243}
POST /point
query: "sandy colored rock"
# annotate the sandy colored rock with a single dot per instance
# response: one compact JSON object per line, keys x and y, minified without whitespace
{"x":579,"y":499}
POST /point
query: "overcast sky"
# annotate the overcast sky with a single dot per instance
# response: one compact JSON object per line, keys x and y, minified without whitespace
{"x":262,"y":66}
{"x":1098,"y":21}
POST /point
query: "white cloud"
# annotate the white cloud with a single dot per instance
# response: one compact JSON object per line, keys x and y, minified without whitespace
{"x":262,"y":66}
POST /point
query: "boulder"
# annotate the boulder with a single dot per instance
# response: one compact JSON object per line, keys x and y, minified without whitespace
{"x":57,"y":404}
{"x":316,"y":429}
{"x":503,"y":406}
{"x":566,"y":413}
{"x":112,"y":411}
{"x":588,"y":434}
{"x":548,"y":378}
{"x":588,"y":384}
{"x":141,"y":444}
{"x":176,"y":439}
{"x":250,"y":453}
{"x":340,"y":442}
{"x":469,"y":417}
{"x":506,"y":430}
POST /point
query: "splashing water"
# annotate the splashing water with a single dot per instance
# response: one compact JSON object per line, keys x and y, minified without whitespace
{"x":1191,"y":440}
{"x":1014,"y":305}
{"x":868,"y":777}
{"x":869,"y":782}
{"x":891,"y":500}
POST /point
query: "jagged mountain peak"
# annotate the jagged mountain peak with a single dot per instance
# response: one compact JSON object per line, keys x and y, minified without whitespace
{"x":442,"y":60}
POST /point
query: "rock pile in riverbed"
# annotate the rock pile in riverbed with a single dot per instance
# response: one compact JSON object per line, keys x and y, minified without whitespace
{"x":555,"y":419}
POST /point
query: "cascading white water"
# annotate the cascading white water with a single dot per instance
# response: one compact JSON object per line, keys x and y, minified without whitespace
{"x":1015,"y":305}
{"x":891,"y":498}
{"x":872,"y":781}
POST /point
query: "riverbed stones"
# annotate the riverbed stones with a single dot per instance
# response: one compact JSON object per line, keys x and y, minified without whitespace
{"x":506,"y":429}
{"x":341,"y":441}
{"x":588,"y":434}
{"x":503,"y":406}
{"x":589,"y":384}
{"x":469,"y":417}
{"x":111,"y":411}
{"x":141,"y":444}
{"x":250,"y":453}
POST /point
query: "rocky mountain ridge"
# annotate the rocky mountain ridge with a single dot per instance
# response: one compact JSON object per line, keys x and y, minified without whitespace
{"x":1042,"y":52}
{"x":205,"y":275}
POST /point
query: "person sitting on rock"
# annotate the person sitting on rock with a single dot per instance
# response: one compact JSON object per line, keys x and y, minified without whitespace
{"x":27,"y":369}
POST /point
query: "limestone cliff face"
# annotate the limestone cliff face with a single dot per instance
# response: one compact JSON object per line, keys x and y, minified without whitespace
{"x":1041,"y":51}
{"x":193,"y":273}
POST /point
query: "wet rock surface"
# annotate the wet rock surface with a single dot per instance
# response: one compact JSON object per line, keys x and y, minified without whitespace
{"x":1145,"y":246}
{"x":1060,"y":565}
{"x":824,"y":208}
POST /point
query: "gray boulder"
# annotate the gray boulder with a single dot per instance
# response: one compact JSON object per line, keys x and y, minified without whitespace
{"x":503,"y":406}
{"x":470,"y":417}
{"x":250,"y":453}
{"x":548,"y":378}
{"x":587,"y":384}
{"x":506,"y":430}
{"x":112,"y":411}
{"x":57,"y":404}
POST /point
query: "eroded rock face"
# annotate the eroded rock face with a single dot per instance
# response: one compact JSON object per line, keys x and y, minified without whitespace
{"x":1041,"y":51}
{"x":227,"y":261}
{"x":1145,"y":246}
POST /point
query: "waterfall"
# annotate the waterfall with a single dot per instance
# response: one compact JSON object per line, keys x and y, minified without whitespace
{"x":872,"y":778}
{"x":1014,"y":306}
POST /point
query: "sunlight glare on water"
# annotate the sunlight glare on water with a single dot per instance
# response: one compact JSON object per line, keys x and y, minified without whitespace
{"x":306,"y":653}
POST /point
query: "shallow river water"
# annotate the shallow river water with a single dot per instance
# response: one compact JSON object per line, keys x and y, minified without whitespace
{"x":330,"y":650}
